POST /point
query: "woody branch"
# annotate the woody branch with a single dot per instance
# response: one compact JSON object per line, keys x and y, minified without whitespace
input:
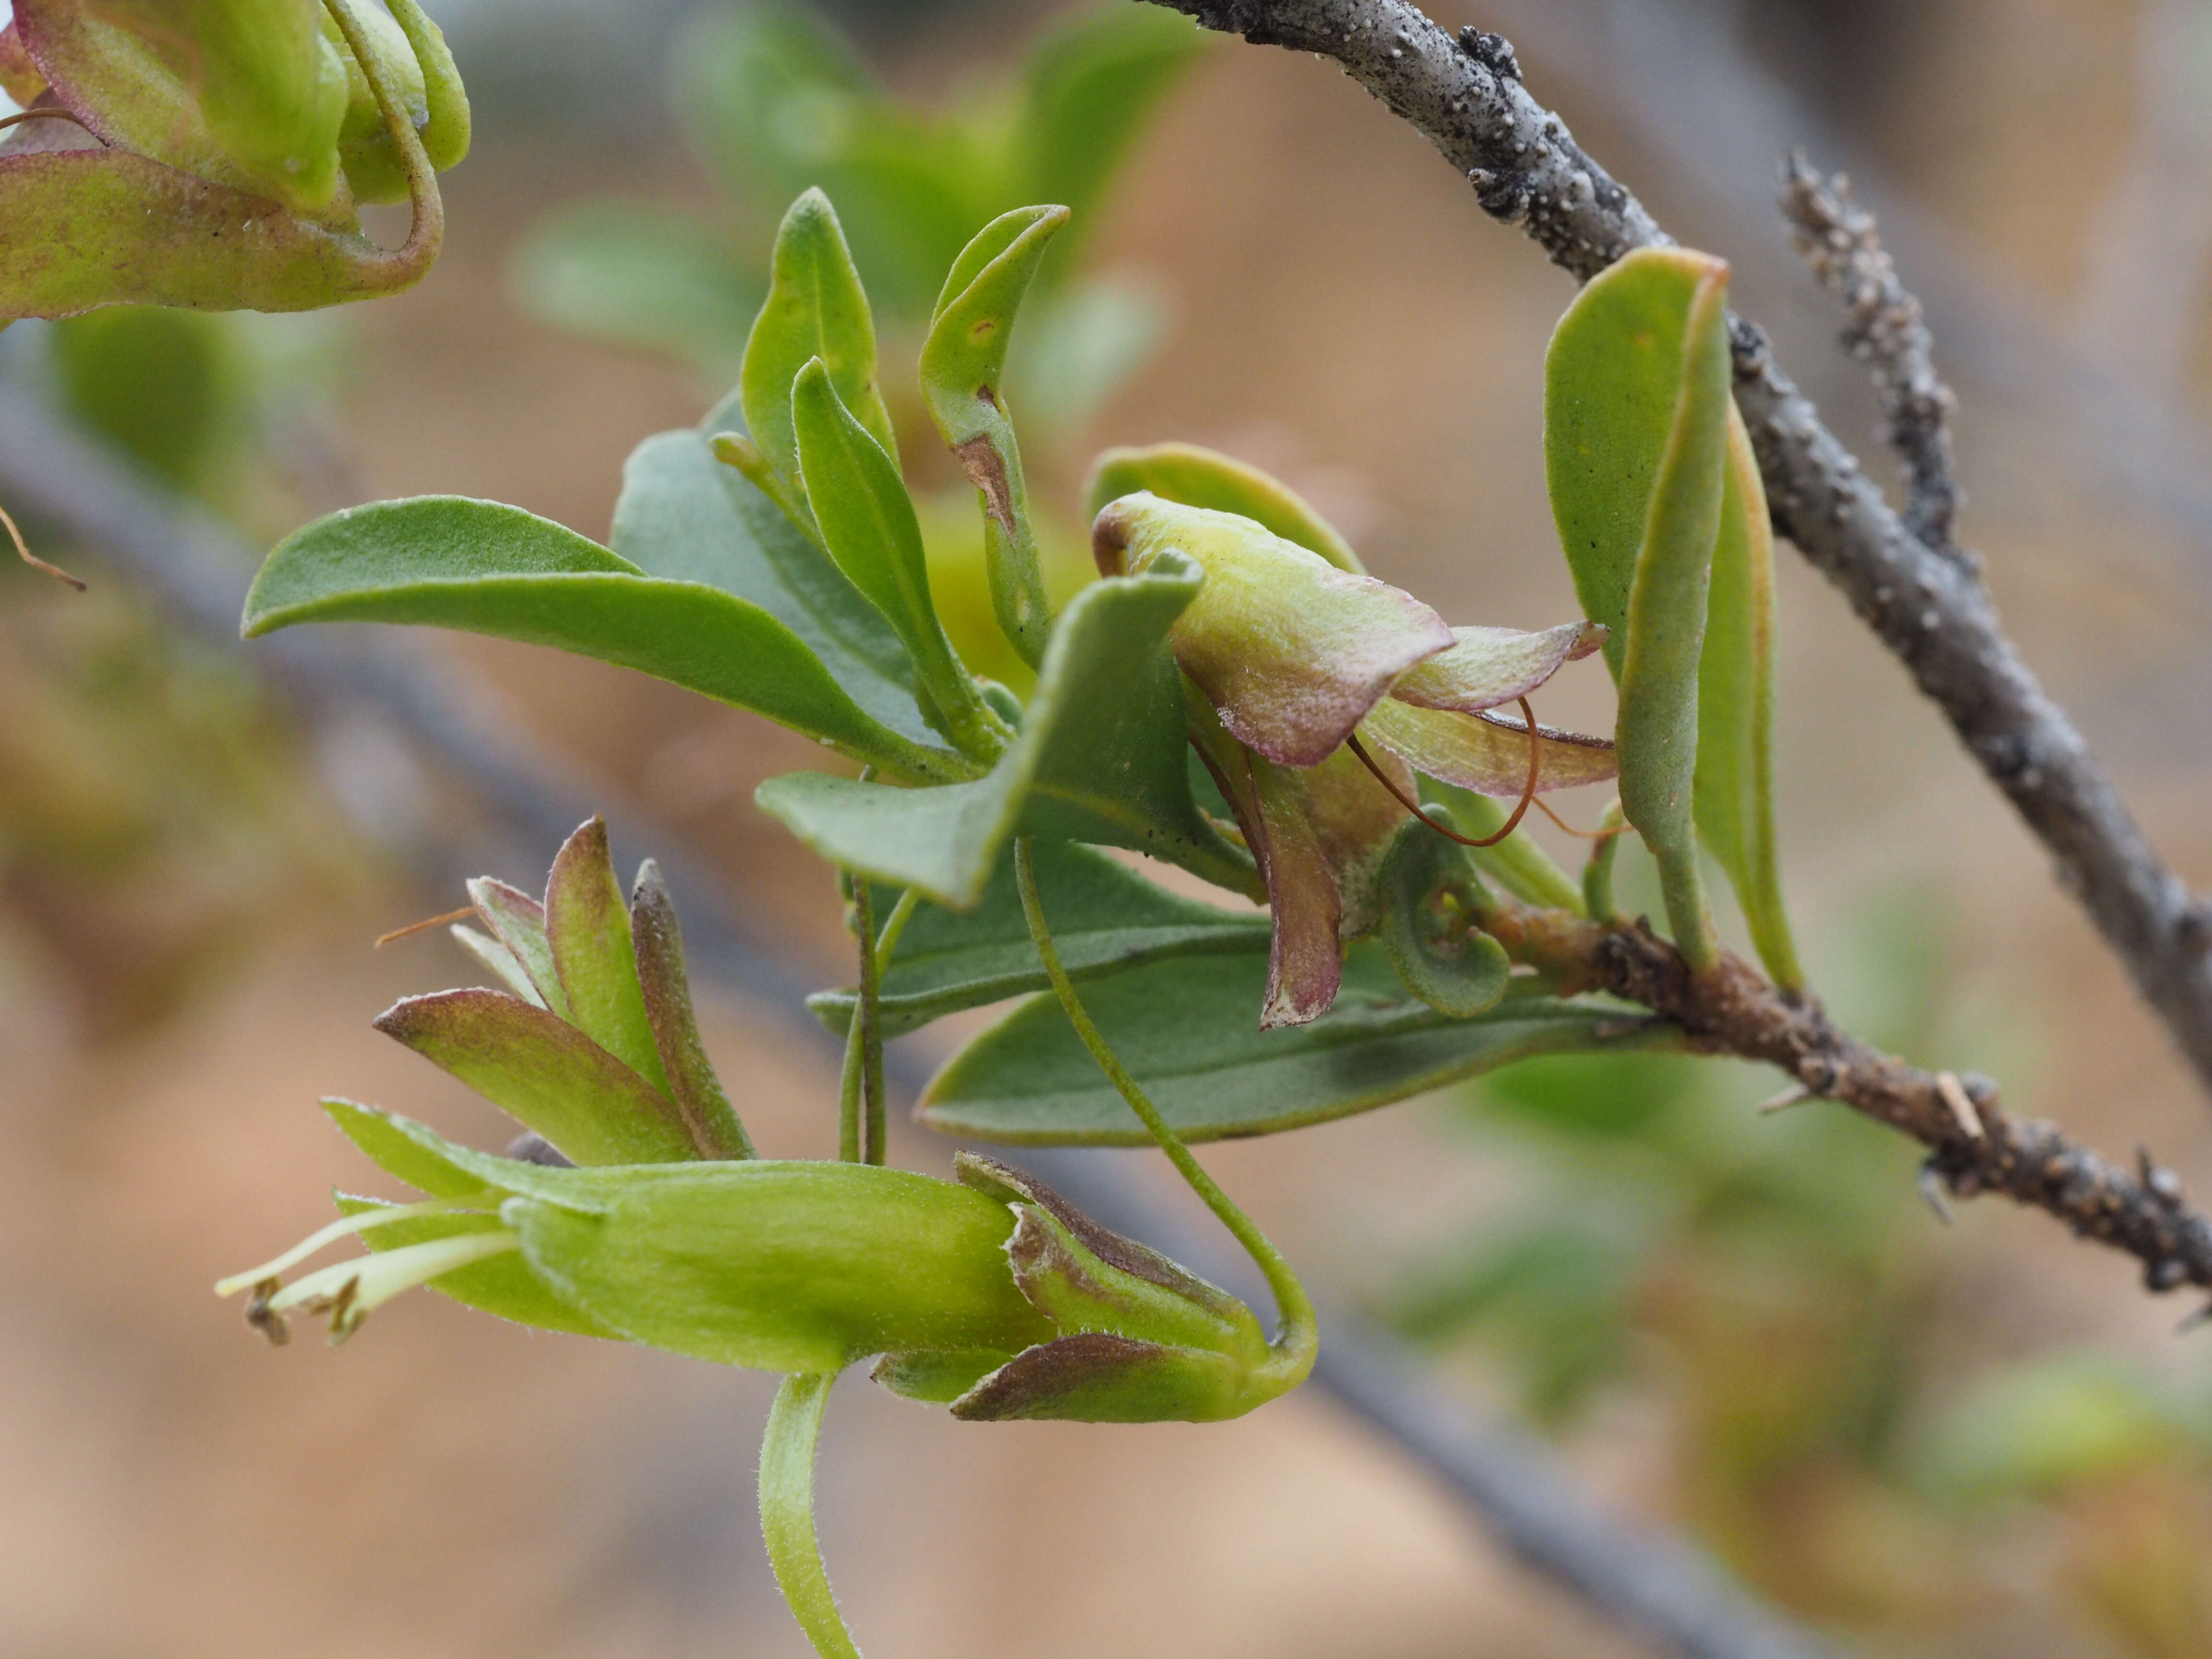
{"x":1919,"y":594}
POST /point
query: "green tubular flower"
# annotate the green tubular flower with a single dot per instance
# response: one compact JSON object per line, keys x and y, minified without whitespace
{"x":988,"y":1293}
{"x":235,"y":140}
{"x":1293,"y":659}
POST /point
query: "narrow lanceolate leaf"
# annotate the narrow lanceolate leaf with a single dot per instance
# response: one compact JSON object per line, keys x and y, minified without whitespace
{"x":708,"y":1117}
{"x":1100,"y":758}
{"x":1488,"y":753}
{"x":964,"y":368}
{"x":1184,"y":1030}
{"x":1106,"y":919}
{"x":1635,"y":438}
{"x":867,"y":523}
{"x":816,"y":307}
{"x":447,"y":561}
{"x":1735,"y":790}
{"x":90,"y":228}
{"x":1196,"y":476}
{"x":545,"y":1072}
{"x":685,"y":516}
{"x":588,"y":928}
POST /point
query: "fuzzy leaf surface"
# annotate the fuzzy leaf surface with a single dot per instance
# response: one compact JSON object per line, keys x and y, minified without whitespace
{"x":1106,"y":919}
{"x":1184,"y":1029}
{"x":449,"y":561}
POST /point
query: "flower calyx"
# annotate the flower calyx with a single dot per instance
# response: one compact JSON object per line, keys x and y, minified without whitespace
{"x":1290,"y":661}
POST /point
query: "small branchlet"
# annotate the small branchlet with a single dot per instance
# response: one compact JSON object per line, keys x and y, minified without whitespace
{"x":1974,"y":1146}
{"x":1838,"y":240}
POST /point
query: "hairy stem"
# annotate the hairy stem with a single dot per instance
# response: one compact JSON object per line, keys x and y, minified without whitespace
{"x":864,"y":1050}
{"x":786,"y":1507}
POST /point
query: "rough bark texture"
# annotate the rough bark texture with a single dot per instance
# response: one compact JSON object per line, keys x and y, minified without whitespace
{"x":1925,"y":602}
{"x":1974,"y":1145}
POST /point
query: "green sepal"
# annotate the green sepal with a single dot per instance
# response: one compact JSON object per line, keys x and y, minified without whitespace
{"x":962,"y":367}
{"x":1196,"y":476}
{"x":709,"y":1119}
{"x":1106,"y":919}
{"x":90,"y":227}
{"x":587,"y":928}
{"x":545,"y":1072}
{"x":373,"y":170}
{"x":449,"y":561}
{"x":245,"y":93}
{"x":1099,"y":758}
{"x":517,"y":921}
{"x":1184,"y":1029}
{"x":816,"y":307}
{"x":1518,"y":864}
{"x":1432,"y":895}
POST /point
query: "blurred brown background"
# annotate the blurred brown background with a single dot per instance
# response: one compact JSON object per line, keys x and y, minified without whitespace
{"x":184,"y":960}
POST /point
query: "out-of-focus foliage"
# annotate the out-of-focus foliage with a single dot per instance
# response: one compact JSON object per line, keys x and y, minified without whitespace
{"x":1769,"y":1277}
{"x":150,"y":807}
{"x":149,"y":800}
{"x":776,"y":102}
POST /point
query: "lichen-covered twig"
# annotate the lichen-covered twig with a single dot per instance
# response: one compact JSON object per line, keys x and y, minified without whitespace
{"x":1465,"y":93}
{"x":1974,"y":1145}
{"x":1840,"y":240}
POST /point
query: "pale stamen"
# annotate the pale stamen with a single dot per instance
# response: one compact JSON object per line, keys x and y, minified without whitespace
{"x":346,"y":1227}
{"x":349,"y":1292}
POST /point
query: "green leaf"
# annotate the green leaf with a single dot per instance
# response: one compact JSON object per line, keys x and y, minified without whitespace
{"x":1185,"y":1030}
{"x":447,"y":561}
{"x":868,"y":524}
{"x":815,"y":307}
{"x":1106,"y":919}
{"x":964,"y":366}
{"x":1636,"y":408}
{"x":1091,"y":86}
{"x":1100,"y":758}
{"x":640,"y":275}
{"x":1204,"y":477}
{"x":587,"y":925}
{"x":545,"y":1072}
{"x":1735,"y":790}
{"x":684,"y":516}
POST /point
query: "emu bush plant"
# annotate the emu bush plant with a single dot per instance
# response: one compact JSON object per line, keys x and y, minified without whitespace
{"x":1233,"y":694}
